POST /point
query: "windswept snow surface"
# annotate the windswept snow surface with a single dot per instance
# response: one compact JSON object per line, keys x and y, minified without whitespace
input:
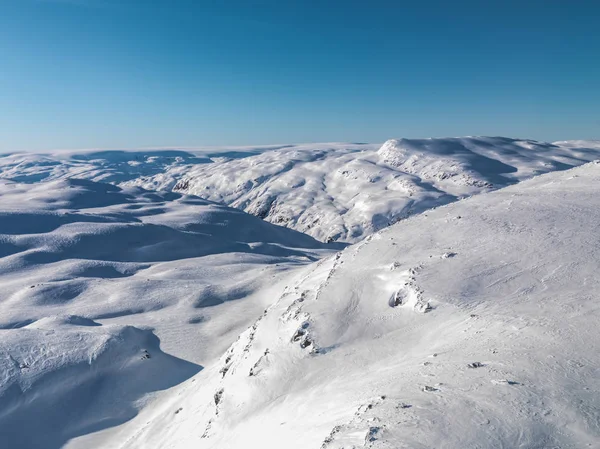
{"x":333,"y":192}
{"x":471,"y":325}
{"x":94,"y":276}
{"x":133,"y":315}
{"x":347,"y":193}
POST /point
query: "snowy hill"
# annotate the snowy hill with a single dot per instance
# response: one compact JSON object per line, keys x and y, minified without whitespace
{"x":93,"y":277}
{"x":472,"y":325}
{"x":333,"y":192}
{"x":133,"y":315}
{"x":346,"y":194}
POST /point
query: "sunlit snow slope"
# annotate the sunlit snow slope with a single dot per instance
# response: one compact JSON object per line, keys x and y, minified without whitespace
{"x":94,"y":276}
{"x":128,"y":310}
{"x":347,"y":193}
{"x":474,"y":325}
{"x":339,"y":192}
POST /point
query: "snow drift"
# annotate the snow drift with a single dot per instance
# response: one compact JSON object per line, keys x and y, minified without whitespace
{"x":69,"y":376}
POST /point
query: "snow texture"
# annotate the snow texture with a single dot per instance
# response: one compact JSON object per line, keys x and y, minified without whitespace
{"x":507,"y":356}
{"x":94,"y":275}
{"x":134,"y":315}
{"x":333,"y":192}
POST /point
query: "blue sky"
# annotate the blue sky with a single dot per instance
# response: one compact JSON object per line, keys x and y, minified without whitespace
{"x":133,"y":73}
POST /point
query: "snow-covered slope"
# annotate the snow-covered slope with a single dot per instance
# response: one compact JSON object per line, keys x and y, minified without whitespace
{"x":94,"y":276}
{"x":347,"y":194}
{"x":157,"y":169}
{"x":474,"y":325}
{"x":333,"y":192}
{"x":469,"y":325}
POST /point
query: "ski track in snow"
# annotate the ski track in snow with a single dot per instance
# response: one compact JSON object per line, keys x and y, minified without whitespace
{"x":135,"y":316}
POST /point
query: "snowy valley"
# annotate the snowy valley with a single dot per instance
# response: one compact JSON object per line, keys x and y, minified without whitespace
{"x":434,"y":293}
{"x":333,"y":192}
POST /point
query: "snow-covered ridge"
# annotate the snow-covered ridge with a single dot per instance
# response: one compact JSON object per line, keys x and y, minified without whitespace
{"x":94,"y":276}
{"x":149,"y":318}
{"x":347,"y":194}
{"x":473,"y":325}
{"x":333,"y":192}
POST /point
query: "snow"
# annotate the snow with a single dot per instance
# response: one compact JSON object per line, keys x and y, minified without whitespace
{"x":93,"y":277}
{"x":133,"y":315}
{"x":66,"y":377}
{"x":333,"y":192}
{"x":507,"y":355}
{"x":347,"y":194}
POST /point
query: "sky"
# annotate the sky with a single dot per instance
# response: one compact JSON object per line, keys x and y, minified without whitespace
{"x":185,"y":73}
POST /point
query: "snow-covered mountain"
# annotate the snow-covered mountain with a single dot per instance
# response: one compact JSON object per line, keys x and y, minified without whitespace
{"x":333,"y":192}
{"x":472,"y":325}
{"x":94,"y":276}
{"x":133,"y":315}
{"x":346,"y":194}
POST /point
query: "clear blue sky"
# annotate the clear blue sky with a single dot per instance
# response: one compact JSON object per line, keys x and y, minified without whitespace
{"x":136,"y":73}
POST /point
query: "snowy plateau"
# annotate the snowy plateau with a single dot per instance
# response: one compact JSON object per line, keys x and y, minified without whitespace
{"x":431,"y":293}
